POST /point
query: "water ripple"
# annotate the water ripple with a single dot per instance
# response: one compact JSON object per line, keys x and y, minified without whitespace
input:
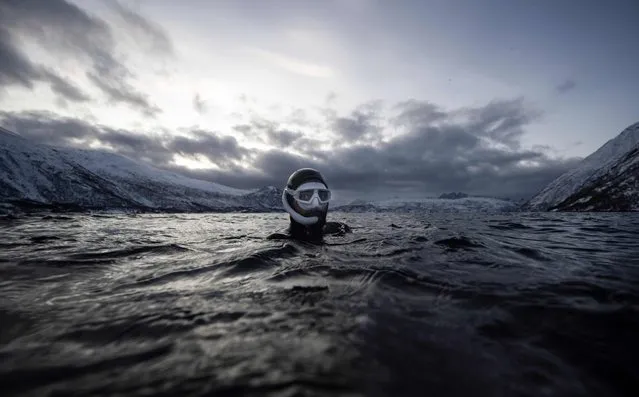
{"x":451,"y":304}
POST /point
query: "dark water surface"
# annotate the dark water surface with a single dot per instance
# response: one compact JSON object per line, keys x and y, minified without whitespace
{"x":443,"y":305}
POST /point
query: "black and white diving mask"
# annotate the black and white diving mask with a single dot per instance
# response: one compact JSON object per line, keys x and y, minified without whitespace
{"x":308,"y":194}
{"x":308,"y":203}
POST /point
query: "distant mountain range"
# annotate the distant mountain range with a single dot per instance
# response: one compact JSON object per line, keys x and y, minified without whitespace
{"x":453,"y":195}
{"x":439,"y":205}
{"x":604,"y":181}
{"x":35,"y":176}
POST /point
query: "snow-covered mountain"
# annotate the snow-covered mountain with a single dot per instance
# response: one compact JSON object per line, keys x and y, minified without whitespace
{"x":465,"y":204}
{"x":32,"y":174}
{"x":590,"y":169}
{"x":267,"y":197}
{"x":616,"y":190}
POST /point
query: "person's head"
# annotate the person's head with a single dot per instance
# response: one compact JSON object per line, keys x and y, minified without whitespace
{"x":306,"y":198}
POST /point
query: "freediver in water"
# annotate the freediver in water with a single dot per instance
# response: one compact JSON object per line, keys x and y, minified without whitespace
{"x":306,"y":198}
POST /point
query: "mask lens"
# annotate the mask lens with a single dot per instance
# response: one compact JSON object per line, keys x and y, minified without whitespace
{"x":305,"y":195}
{"x":324,"y":195}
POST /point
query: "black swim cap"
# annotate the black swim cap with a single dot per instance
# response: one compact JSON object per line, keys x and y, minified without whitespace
{"x":304,"y":175}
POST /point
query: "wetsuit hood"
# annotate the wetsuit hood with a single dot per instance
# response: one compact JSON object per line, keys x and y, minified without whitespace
{"x":301,"y":215}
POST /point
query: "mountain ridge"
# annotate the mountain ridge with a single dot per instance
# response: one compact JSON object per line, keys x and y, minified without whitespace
{"x":432,"y":204}
{"x":34,"y":175}
{"x":37,"y":176}
{"x":616,"y":190}
{"x":591,"y":168}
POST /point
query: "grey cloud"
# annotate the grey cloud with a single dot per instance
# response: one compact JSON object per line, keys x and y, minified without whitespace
{"x":283,"y":138}
{"x":440,"y":156}
{"x":207,"y":143}
{"x":299,"y":117}
{"x":502,"y":121}
{"x":542,"y":148}
{"x":439,"y":152}
{"x":45,"y":127}
{"x":144,"y":29}
{"x":566,"y":86}
{"x":239,"y":178}
{"x":310,"y":148}
{"x":199,"y":105}
{"x":256,"y":130}
{"x":48,"y":128}
{"x":134,"y":145}
{"x":14,"y":68}
{"x":17,"y":69}
{"x":67,"y":30}
{"x":60,"y":25}
{"x":479,"y":153}
{"x":434,"y":142}
{"x":118,"y":90}
{"x":64,"y":88}
{"x":268,"y":132}
{"x":278,"y":163}
{"x":352,"y":128}
{"x":262,"y":124}
{"x":361,"y":124}
{"x":416,"y":113}
{"x":268,"y":167}
{"x":244,"y":129}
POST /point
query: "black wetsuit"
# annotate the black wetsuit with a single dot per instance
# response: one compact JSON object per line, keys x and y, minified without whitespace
{"x":316,"y":232}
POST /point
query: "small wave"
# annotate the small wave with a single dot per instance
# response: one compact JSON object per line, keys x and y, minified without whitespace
{"x":509,"y":226}
{"x":599,"y":229}
{"x":230,"y":266}
{"x":12,"y":245}
{"x":131,"y":251}
{"x":307,"y":271}
{"x":455,"y":243}
{"x":306,"y":295}
{"x":385,"y":253}
{"x":148,"y":326}
{"x":263,"y":259}
{"x":56,"y":218}
{"x":242,"y":236}
{"x":359,"y":240}
{"x":43,"y":239}
{"x":496,"y":301}
{"x":551,"y":229}
{"x":532,"y":253}
{"x":89,"y":263}
{"x":300,"y":386}
{"x":21,"y":379}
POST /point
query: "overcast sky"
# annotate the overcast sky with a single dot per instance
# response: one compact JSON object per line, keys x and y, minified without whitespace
{"x":396,"y":97}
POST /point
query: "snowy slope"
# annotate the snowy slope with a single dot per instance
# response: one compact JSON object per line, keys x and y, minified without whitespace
{"x":268,"y":197}
{"x":616,"y":190}
{"x":105,"y":163}
{"x":591,"y":168}
{"x":93,"y":179}
{"x":467,"y":204}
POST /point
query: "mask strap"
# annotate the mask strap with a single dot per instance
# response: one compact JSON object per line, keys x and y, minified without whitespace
{"x":299,"y":218}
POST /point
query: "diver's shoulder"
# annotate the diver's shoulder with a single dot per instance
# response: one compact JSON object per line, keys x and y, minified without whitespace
{"x":278,"y":236}
{"x":336,"y":228}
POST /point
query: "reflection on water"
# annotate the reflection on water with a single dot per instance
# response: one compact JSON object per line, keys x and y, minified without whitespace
{"x":406,"y":305}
